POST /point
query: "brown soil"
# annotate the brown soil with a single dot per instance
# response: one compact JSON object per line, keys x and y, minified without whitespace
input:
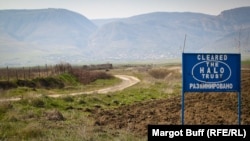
{"x":200,"y":108}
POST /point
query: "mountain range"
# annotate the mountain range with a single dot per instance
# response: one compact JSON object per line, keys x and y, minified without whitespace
{"x":50,"y":36}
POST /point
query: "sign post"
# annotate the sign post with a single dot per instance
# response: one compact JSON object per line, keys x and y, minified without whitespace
{"x":203,"y":72}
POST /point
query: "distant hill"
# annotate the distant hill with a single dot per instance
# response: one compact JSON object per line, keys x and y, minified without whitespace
{"x":46,"y":26}
{"x":30,"y":37}
{"x":37,"y":36}
{"x":101,"y":22}
{"x":235,"y":28}
{"x":161,"y":35}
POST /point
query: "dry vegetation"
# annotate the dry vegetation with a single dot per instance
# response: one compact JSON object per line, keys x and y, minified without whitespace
{"x":86,"y":77}
{"x":49,"y":77}
{"x":159,"y":73}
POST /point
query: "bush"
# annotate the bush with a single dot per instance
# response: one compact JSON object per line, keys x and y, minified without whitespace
{"x":68,"y":78}
{"x":159,"y":73}
{"x":5,"y":85}
{"x":49,"y":82}
{"x":54,"y":115}
{"x":26,"y":83}
{"x":87,"y":77}
{"x":37,"y":103}
{"x":68,"y":99}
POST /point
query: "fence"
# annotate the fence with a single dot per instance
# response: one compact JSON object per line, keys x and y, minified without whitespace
{"x":7,"y":74}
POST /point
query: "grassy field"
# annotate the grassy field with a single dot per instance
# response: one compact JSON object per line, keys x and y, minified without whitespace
{"x":71,"y":118}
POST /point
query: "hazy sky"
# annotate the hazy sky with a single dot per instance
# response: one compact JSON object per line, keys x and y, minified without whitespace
{"x":94,"y":9}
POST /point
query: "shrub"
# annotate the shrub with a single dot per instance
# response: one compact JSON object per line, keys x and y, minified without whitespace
{"x":87,"y":77}
{"x":54,"y":115}
{"x":7,"y":85}
{"x":68,"y":78}
{"x":37,"y":103}
{"x":68,"y":99}
{"x":49,"y":82}
{"x":159,"y":73}
{"x":26,"y":83}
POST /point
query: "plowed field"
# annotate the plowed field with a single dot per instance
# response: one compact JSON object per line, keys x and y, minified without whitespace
{"x":200,"y":108}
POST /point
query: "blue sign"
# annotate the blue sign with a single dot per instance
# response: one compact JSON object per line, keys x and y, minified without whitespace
{"x":211,"y":72}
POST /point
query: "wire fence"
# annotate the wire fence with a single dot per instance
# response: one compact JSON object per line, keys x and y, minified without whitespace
{"x":23,"y":73}
{"x":7,"y":74}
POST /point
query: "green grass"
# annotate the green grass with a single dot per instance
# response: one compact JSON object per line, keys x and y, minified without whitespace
{"x":245,"y":64}
{"x":27,"y":119}
{"x":68,"y":79}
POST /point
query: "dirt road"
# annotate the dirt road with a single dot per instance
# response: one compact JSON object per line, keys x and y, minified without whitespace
{"x":127,"y":81}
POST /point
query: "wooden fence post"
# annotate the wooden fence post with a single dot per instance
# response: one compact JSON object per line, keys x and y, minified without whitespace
{"x":29,"y":72}
{"x":8,"y":73}
{"x":23,"y":73}
{"x":39,"y":71}
{"x":46,"y":69}
{"x":16,"y":75}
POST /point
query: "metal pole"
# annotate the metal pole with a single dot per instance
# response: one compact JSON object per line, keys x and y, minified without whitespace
{"x":184,"y":43}
{"x":182,"y":109}
{"x":239,"y":96}
{"x":239,"y":108}
{"x":182,"y":96}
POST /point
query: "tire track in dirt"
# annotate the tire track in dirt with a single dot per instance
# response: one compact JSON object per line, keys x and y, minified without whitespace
{"x":127,"y":81}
